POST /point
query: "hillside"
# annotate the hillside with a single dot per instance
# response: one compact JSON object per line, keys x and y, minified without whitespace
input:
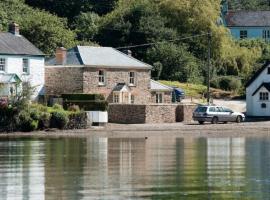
{"x":176,"y":30}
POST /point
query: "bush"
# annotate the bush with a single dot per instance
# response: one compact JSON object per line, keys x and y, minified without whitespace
{"x":74,"y":108}
{"x":59,"y":119}
{"x":26,"y":123}
{"x":44,"y":120}
{"x":77,"y":120}
{"x":57,"y":107}
{"x":228,"y":83}
{"x":34,"y":114}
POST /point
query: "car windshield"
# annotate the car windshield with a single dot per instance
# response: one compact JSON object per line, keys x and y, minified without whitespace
{"x":201,"y":109}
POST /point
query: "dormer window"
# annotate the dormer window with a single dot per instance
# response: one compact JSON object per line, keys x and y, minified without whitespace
{"x":131,"y":78}
{"x":101,"y":77}
{"x":2,"y":64}
{"x":25,"y":66}
{"x":264,"y":96}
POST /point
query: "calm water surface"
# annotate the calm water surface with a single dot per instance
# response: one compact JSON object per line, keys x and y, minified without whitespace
{"x":153,"y":168}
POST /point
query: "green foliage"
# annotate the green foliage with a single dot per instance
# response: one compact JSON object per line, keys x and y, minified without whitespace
{"x":45,"y":30}
{"x":44,"y":120}
{"x":26,"y":123}
{"x":88,"y":97}
{"x":59,"y":119}
{"x":229,"y":83}
{"x":177,"y":63}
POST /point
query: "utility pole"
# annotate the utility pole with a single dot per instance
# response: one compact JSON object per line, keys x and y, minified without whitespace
{"x":209,"y":66}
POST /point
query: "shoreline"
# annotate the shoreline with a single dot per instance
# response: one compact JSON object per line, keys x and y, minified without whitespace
{"x":192,"y":130}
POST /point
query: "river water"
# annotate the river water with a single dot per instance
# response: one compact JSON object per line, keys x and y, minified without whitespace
{"x":136,"y":168}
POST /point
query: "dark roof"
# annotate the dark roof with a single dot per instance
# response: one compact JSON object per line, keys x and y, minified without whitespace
{"x":11,"y":44}
{"x":119,"y":87}
{"x":257,"y":73}
{"x":73,"y":58}
{"x":266,"y":85}
{"x":247,"y":18}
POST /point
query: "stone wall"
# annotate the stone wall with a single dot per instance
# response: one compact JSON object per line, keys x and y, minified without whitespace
{"x":153,"y":113}
{"x":141,"y":90}
{"x":63,"y":80}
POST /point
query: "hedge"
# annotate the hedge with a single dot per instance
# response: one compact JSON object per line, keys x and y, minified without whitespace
{"x":87,"y":102}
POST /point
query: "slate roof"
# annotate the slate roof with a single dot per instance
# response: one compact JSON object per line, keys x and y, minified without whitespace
{"x":253,"y":78}
{"x":266,"y":85}
{"x":101,"y":57}
{"x":11,"y":44}
{"x":243,"y":18}
{"x":9,"y":78}
{"x":156,"y":86}
{"x":73,"y":58}
{"x":119,"y":87}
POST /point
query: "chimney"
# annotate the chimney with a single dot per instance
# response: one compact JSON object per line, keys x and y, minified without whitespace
{"x":14,"y":28}
{"x":61,"y":56}
{"x":128,"y":52}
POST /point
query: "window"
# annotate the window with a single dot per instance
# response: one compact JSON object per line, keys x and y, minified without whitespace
{"x":131,"y":78}
{"x":132,"y":99}
{"x":227,"y":110}
{"x":212,"y":109}
{"x":26,"y":66}
{"x":101,"y":77}
{"x":263,"y":105}
{"x":116,"y":98}
{"x":220,"y":109}
{"x":264,"y":96}
{"x":2,"y":64}
{"x":243,"y":34}
{"x":159,"y":98}
{"x":266,"y":34}
{"x":268,"y":70}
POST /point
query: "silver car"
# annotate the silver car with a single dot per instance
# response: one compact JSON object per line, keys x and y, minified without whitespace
{"x":215,"y":114}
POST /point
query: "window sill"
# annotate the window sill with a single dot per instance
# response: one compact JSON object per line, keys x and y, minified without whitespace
{"x":101,"y":84}
{"x":132,"y":85}
{"x":2,"y":72}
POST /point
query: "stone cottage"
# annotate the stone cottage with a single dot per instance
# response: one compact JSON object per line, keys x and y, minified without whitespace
{"x":118,"y":76}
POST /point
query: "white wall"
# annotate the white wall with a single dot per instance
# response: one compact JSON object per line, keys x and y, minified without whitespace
{"x":14,"y":64}
{"x":253,"y":102}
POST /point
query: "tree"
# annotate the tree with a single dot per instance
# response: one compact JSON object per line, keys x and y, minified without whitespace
{"x":177,"y":63}
{"x":44,"y":30}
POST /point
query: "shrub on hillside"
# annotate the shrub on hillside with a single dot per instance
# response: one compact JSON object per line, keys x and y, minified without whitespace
{"x":229,"y":83}
{"x":59,"y":119}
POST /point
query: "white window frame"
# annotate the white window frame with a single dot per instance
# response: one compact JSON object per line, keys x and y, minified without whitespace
{"x":264,"y":96}
{"x":116,"y":98}
{"x":25,"y":64}
{"x":3,"y":62}
{"x":159,"y":97}
{"x":101,"y":77}
{"x":132,"y":78}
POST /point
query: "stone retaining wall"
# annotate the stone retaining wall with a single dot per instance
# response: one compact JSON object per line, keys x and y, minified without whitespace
{"x":153,"y":113}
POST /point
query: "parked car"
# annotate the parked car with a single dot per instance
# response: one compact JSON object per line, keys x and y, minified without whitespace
{"x":178,"y":94}
{"x":215,"y":114}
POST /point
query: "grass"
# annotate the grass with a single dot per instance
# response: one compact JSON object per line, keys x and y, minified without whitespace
{"x":198,"y":90}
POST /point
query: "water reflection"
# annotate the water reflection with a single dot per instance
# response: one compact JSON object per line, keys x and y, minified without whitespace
{"x":154,"y":168}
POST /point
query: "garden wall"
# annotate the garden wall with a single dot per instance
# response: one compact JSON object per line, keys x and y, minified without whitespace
{"x":150,"y":114}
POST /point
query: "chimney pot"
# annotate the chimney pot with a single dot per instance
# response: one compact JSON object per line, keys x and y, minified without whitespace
{"x":61,"y":56}
{"x":14,"y":28}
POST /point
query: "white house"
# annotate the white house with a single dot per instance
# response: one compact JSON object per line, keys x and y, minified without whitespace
{"x":20,"y":62}
{"x":257,"y":93}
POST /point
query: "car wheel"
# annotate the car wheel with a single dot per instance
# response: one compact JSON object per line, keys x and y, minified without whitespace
{"x":225,"y":122}
{"x":238,"y":119}
{"x":201,"y":122}
{"x":214,"y":120}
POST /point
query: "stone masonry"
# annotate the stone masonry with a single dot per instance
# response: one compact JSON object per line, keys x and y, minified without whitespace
{"x":63,"y":80}
{"x":150,"y":114}
{"x":141,"y":90}
{"x":60,"y":80}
